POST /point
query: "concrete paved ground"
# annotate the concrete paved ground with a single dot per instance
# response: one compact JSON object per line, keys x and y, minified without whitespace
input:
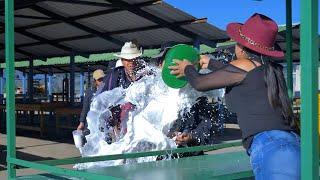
{"x":31,"y":147}
{"x":35,"y":149}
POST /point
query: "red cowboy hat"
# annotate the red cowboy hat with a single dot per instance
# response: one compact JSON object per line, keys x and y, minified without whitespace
{"x":258,"y":33}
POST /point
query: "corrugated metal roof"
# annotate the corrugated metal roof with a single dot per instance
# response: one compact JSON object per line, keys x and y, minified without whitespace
{"x":155,"y":37}
{"x":70,"y":9}
{"x":29,"y":12}
{"x":206,"y":30}
{"x":52,"y":32}
{"x":20,"y":39}
{"x":168,"y":13}
{"x":50,"y":28}
{"x":18,"y":55}
{"x":135,"y":1}
{"x":90,"y":44}
{"x":110,"y":22}
{"x":20,"y":22}
{"x":43,"y":50}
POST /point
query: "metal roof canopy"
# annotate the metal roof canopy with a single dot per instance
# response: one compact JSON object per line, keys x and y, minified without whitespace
{"x":65,"y":68}
{"x":281,"y":41}
{"x":53,"y":28}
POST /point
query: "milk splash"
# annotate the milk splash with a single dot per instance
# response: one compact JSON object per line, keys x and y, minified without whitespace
{"x":156,"y":108}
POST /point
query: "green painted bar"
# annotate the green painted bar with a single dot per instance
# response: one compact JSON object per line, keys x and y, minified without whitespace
{"x":139,"y":154}
{"x":289,"y":47}
{"x":234,"y":165}
{"x":191,"y":168}
{"x":62,"y":171}
{"x":10,"y":87}
{"x":309,"y":58}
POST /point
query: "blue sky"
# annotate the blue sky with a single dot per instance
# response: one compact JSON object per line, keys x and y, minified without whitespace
{"x":222,"y":12}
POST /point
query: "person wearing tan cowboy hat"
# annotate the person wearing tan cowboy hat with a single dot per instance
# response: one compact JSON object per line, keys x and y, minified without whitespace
{"x":256,"y":91}
{"x":122,"y":76}
{"x":98,"y":77}
{"x":129,"y":54}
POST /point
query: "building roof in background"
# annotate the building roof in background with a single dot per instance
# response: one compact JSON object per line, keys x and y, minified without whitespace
{"x":57,"y":28}
{"x":94,"y":61}
{"x":281,"y":41}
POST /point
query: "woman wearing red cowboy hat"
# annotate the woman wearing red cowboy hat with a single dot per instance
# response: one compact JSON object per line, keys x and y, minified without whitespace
{"x":256,"y":91}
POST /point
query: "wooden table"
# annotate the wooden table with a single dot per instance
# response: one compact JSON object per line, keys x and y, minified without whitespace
{"x":68,"y":112}
{"x":41,"y":108}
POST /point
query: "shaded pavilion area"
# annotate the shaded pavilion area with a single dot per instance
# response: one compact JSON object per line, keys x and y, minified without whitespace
{"x":73,"y":30}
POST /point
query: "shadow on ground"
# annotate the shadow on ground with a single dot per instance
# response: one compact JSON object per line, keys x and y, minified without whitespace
{"x":20,"y":155}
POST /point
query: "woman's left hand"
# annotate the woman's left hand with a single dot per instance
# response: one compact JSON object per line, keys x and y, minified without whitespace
{"x":178,"y":70}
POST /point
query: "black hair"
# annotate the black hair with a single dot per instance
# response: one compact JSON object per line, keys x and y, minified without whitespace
{"x":276,"y":86}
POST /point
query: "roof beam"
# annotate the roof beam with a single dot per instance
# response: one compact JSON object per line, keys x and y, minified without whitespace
{"x":60,"y":69}
{"x":138,"y":11}
{"x":202,"y":20}
{"x":41,"y":71}
{"x":294,"y":40}
{"x":88,"y":15}
{"x":46,"y":41}
{"x":33,"y":17}
{"x":29,"y":55}
{"x":20,"y":4}
{"x":39,"y":38}
{"x":81,"y":2}
{"x":77,"y":25}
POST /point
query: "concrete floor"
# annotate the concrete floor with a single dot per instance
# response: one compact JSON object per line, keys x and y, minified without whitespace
{"x":34,"y":149}
{"x":31,"y":147}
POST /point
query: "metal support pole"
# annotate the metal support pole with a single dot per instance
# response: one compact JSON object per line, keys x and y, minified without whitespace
{"x":46,"y":84}
{"x":72,"y":79}
{"x":30,"y":81}
{"x":289,"y":47}
{"x":81,"y":85}
{"x":10,"y":87}
{"x":49,"y":85}
{"x":24,"y":86}
{"x":196,"y":44}
{"x":309,"y":57}
{"x":89,"y":79}
{"x":1,"y":86}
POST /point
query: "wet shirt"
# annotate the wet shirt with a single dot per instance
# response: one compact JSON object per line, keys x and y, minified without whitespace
{"x":115,"y":78}
{"x":199,"y":121}
{"x":246,"y":95}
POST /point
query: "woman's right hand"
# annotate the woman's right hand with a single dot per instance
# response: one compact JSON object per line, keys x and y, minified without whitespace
{"x":204,"y":61}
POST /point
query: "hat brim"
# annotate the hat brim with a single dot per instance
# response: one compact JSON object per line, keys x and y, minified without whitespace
{"x":128,"y":56}
{"x":99,"y":76}
{"x":233,"y":32}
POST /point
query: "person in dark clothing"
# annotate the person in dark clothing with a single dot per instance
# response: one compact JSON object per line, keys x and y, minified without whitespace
{"x":98,"y":77}
{"x":195,"y":127}
{"x":121,"y":76}
{"x":257,"y":93}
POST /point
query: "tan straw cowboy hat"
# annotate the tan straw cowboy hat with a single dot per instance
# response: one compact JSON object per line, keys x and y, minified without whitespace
{"x":129,"y":51}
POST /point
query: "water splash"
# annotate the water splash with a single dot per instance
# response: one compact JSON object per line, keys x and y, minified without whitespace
{"x":156,"y":108}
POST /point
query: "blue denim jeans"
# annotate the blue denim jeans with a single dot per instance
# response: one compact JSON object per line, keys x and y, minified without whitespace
{"x":275,"y":155}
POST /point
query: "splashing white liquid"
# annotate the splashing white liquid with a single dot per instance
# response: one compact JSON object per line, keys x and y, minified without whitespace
{"x":156,"y":108}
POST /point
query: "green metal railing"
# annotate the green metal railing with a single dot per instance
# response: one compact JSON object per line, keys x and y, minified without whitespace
{"x":309,"y":60}
{"x":10,"y":87}
{"x":289,"y":47}
{"x":309,"y":111}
